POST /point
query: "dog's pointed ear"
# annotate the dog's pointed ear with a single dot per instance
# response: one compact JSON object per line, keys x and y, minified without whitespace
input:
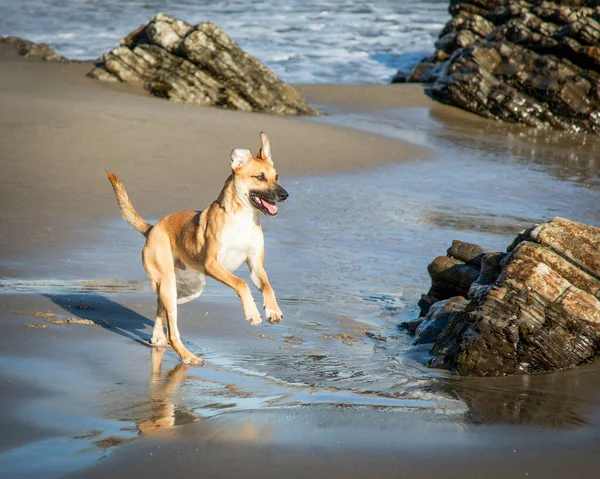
{"x":239,"y":157}
{"x":265,"y":148}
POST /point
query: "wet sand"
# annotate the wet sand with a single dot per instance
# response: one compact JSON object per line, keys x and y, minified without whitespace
{"x":334,"y":391}
{"x":95,"y":400}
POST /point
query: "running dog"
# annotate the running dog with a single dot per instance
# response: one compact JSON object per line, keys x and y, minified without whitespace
{"x":183,"y":248}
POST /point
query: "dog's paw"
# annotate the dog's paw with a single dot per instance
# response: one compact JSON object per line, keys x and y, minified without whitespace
{"x":192,"y":360}
{"x":254,"y":320}
{"x":274,"y":316}
{"x":253,"y":315}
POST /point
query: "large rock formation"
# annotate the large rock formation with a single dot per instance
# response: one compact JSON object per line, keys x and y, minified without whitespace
{"x":197,"y":64}
{"x":532,"y":62}
{"x":29,"y":49}
{"x":535,"y":308}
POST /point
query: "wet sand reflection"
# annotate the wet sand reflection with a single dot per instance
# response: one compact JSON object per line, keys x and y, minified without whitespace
{"x":165,"y":414}
{"x":559,"y":400}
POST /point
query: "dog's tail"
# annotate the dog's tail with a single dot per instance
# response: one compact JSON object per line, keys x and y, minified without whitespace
{"x":127,"y":210}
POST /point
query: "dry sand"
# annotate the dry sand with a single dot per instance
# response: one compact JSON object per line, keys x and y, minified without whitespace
{"x":76,"y":390}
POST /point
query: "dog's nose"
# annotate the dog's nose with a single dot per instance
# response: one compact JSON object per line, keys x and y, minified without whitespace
{"x":281,"y":193}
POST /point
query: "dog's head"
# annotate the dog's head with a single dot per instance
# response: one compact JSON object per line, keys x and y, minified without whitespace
{"x":256,"y":179}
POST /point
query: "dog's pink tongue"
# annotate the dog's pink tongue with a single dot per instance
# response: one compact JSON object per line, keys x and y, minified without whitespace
{"x":271,"y":207}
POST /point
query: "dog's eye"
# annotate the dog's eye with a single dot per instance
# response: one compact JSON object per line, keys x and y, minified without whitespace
{"x":260,"y":177}
{"x":276,"y":177}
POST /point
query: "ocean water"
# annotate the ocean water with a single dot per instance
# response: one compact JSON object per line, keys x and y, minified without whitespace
{"x":344,"y":41}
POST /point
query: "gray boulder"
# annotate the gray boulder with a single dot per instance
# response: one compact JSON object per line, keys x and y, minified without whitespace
{"x":197,"y":64}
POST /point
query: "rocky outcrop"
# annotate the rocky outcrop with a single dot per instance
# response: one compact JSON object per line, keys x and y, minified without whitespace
{"x":535,"y":308}
{"x":197,"y":64}
{"x":29,"y":49}
{"x":532,"y":62}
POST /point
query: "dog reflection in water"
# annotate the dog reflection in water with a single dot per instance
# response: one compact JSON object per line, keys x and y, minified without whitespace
{"x":166,"y":415}
{"x":161,"y":394}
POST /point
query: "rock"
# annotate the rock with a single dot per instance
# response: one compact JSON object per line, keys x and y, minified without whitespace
{"x":490,"y":268}
{"x":535,"y":308}
{"x":437,"y":319}
{"x":400,"y":77}
{"x":535,"y":63}
{"x":412,"y":325}
{"x":425,"y":72}
{"x":29,"y":49}
{"x":585,"y":30}
{"x":197,"y":64}
{"x":452,"y":275}
{"x":467,"y":252}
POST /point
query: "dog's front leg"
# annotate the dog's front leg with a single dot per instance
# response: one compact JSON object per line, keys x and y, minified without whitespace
{"x":215,"y":270}
{"x":258,"y":275}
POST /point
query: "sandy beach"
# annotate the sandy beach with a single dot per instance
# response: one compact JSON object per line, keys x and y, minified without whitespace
{"x":379,"y":184}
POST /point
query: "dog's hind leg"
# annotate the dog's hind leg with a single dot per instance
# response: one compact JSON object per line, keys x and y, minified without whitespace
{"x":158,"y":263}
{"x":159,"y":340}
{"x":167,"y":291}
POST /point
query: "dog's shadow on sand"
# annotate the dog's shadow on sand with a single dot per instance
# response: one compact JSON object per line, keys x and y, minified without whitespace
{"x":106,"y":313}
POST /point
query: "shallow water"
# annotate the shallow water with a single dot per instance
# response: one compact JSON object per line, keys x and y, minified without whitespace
{"x":311,"y":41}
{"x":357,"y":246}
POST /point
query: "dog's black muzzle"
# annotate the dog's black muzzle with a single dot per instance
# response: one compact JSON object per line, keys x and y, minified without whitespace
{"x":266,"y":201}
{"x":280,"y":193}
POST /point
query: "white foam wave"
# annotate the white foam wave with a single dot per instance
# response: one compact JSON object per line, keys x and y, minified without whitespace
{"x":284,"y":58}
{"x":311,"y":41}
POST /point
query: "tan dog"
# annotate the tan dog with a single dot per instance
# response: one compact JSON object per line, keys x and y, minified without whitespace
{"x":184,"y":247}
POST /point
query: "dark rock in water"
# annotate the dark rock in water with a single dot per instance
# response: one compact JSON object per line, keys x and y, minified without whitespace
{"x":452,"y":275}
{"x":198,"y":64}
{"x":535,"y":308}
{"x":426,"y":71}
{"x":411,"y":326}
{"x":29,"y":49}
{"x":536,"y":62}
{"x":400,"y":76}
{"x":438,"y":317}
{"x":467,"y":252}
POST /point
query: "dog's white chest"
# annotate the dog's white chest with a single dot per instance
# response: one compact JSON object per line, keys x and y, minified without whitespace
{"x":238,"y":241}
